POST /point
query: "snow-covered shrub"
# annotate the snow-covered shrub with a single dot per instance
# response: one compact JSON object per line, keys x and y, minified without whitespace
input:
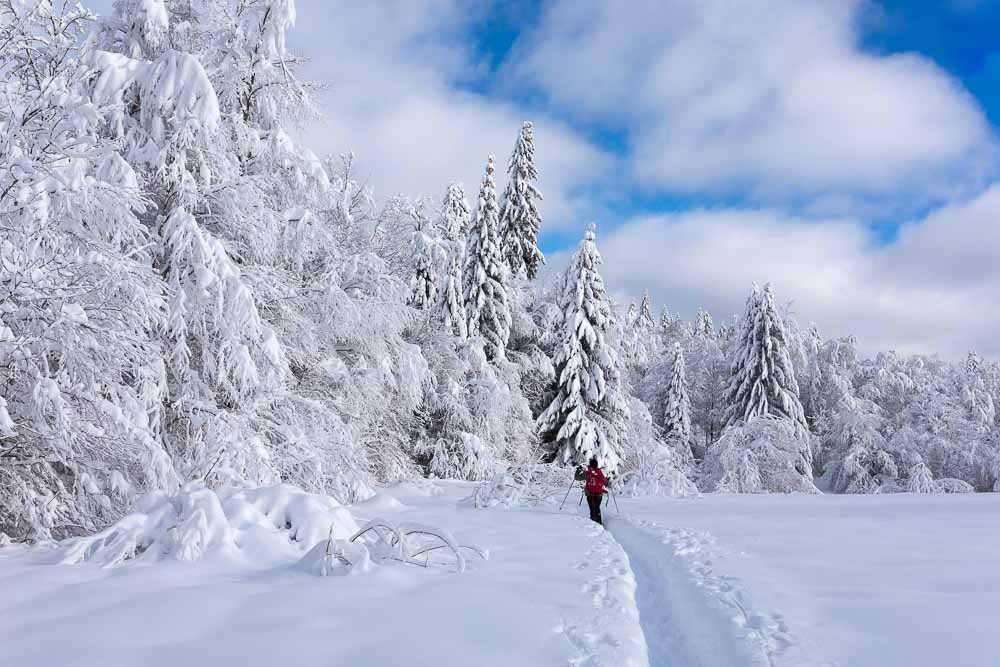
{"x":765,"y":453}
{"x":260,"y":525}
{"x":525,"y":485}
{"x":920,"y":480}
{"x":657,"y":473}
{"x":952,"y":485}
{"x":407,"y":542}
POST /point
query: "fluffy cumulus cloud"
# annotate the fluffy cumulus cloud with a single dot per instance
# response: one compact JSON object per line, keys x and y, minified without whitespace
{"x":769,"y":98}
{"x":931,"y":290}
{"x":400,"y":75}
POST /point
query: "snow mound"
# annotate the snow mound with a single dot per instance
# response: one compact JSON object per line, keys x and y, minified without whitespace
{"x":529,"y":485}
{"x":416,"y":489}
{"x":266,"y":525}
{"x":336,"y":558}
{"x":380,"y":502}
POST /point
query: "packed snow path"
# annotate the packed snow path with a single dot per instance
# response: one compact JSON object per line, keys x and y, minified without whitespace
{"x":687,"y":619}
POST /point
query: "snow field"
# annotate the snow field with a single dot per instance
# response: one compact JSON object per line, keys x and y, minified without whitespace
{"x":859,"y":580}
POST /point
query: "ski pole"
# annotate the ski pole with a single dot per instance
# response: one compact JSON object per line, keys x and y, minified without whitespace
{"x":613,"y":497}
{"x":567,"y":495}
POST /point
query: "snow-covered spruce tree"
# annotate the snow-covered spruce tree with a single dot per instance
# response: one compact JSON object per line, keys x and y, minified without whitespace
{"x":766,"y":438}
{"x":81,"y":376}
{"x":975,"y":396}
{"x":428,"y":256}
{"x":455,"y":221}
{"x":588,"y":414}
{"x":666,"y":326}
{"x":677,"y":414}
{"x":485,"y":274}
{"x":519,"y":217}
{"x":644,"y":318}
{"x":703,"y":324}
{"x":763,"y":379}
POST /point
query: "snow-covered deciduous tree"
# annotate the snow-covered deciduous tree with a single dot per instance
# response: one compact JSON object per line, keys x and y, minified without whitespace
{"x":81,"y":376}
{"x":649,"y":465}
{"x":588,"y":414}
{"x":677,"y":412}
{"x":486,"y":274}
{"x":862,"y":460}
{"x":763,"y":453}
{"x":474,"y":420}
{"x":519,"y":217}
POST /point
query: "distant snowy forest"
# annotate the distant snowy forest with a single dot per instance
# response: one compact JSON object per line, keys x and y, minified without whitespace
{"x":186,"y":293}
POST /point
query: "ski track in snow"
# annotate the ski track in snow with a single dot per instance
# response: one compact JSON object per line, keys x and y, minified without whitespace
{"x":612,"y":635}
{"x":690,"y":614}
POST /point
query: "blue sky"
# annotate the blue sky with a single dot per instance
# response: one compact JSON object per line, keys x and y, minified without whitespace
{"x":844,"y":150}
{"x":957,"y":35}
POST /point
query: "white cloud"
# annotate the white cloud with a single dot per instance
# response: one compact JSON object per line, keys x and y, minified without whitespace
{"x":397,"y":102}
{"x":931,"y":290}
{"x":770,"y":97}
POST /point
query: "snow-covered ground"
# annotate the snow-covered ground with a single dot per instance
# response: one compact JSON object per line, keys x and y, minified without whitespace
{"x":861,"y":580}
{"x":722,"y":580}
{"x":556,"y":590}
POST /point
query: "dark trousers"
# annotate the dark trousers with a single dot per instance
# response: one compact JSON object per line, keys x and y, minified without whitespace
{"x":594,"y":502}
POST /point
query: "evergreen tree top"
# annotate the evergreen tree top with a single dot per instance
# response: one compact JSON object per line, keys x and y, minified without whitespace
{"x":455,"y":212}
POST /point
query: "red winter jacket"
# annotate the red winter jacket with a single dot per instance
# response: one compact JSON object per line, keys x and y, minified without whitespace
{"x":595,"y":482}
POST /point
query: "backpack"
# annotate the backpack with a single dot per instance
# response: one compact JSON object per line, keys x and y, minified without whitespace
{"x":595,"y":482}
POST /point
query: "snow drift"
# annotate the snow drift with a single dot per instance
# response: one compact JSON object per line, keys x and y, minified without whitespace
{"x":265,"y":525}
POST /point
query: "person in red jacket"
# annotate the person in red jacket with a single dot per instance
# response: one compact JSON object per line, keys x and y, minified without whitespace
{"x":595,"y":490}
